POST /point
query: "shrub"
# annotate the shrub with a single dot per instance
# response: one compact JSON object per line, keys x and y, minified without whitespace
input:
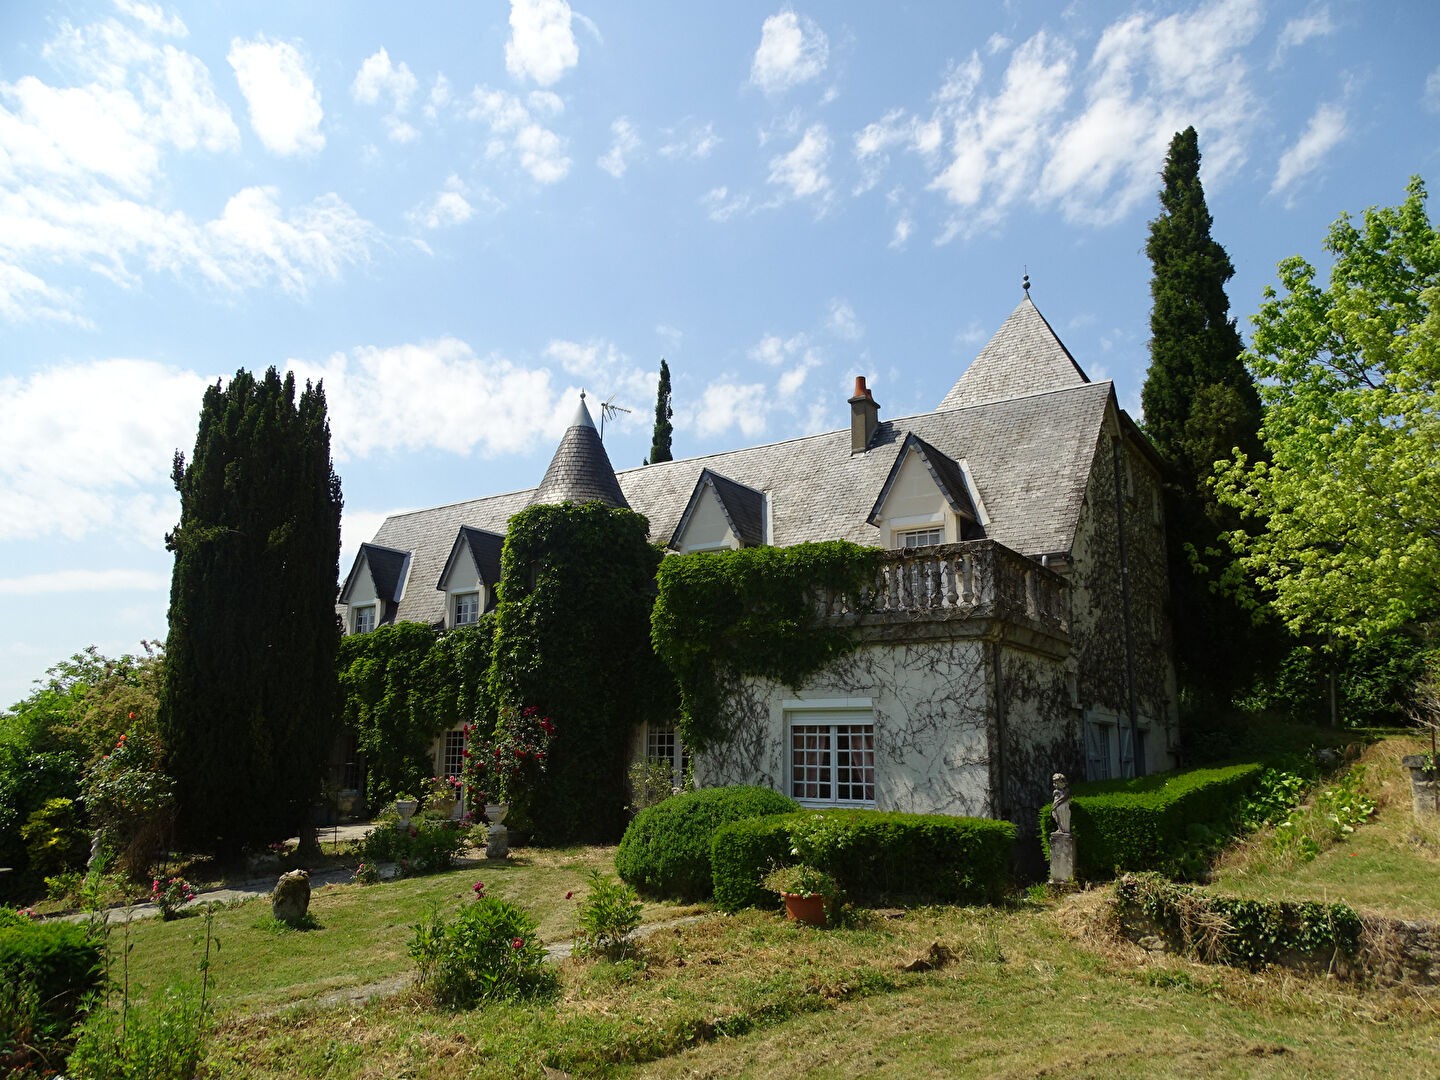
{"x":55,"y":838}
{"x":609,"y":918}
{"x":131,"y":801}
{"x":666,"y":849}
{"x":1153,"y":822}
{"x":426,"y":846}
{"x":1226,"y":930}
{"x":49,"y":976}
{"x":875,"y":856}
{"x":159,"y":1041}
{"x":488,"y":953}
{"x":169,"y":895}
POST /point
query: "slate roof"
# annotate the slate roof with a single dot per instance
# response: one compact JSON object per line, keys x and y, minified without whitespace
{"x":1024,"y":357}
{"x":743,"y":507}
{"x":1030,"y":458}
{"x":388,"y":567}
{"x":580,"y":471}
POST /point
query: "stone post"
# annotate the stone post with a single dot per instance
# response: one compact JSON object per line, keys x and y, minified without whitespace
{"x":1423,"y":784}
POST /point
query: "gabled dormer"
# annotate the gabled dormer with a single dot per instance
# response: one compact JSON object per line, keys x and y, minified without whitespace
{"x":721,"y":515}
{"x":374,"y":587}
{"x":928,"y":498}
{"x":470,"y":575}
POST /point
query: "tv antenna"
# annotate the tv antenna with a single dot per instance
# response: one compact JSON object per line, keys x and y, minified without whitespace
{"x":608,"y":408}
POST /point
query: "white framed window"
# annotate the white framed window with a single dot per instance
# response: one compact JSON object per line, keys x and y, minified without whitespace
{"x":467,"y":608}
{"x":832,"y":758}
{"x":914,"y":538}
{"x":364,"y":619}
{"x":663,"y":744}
{"x":452,"y":753}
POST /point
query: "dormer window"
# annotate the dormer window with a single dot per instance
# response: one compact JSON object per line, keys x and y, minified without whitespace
{"x":467,"y":608}
{"x":721,"y":515}
{"x":916,"y":538}
{"x":364,"y":619}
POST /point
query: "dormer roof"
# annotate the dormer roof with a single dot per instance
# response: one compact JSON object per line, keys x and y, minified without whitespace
{"x":743,"y":507}
{"x":388,"y":568}
{"x":580,"y":471}
{"x":1024,"y":357}
{"x":949,"y":476}
{"x":483,"y":547}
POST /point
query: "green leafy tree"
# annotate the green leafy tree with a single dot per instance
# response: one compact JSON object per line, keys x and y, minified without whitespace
{"x":1350,"y":495}
{"x":1200,"y":403}
{"x":660,"y":441}
{"x":249,"y":702}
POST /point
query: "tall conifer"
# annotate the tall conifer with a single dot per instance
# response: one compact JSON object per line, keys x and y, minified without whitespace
{"x":249,"y":703}
{"x":660,"y":442}
{"x":1200,"y":403}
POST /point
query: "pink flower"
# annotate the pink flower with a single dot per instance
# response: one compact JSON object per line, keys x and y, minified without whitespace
{"x":479,"y":888}
{"x":517,"y":943}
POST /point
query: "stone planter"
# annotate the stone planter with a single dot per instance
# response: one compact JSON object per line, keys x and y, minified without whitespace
{"x":809,"y":910}
{"x":497,"y":845}
{"x":1423,"y":785}
{"x":406,"y":809}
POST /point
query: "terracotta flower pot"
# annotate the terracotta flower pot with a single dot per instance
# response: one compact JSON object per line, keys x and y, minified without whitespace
{"x":805,"y":909}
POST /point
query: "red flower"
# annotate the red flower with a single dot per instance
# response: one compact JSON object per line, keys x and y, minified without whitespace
{"x":569,"y":894}
{"x":479,"y":888}
{"x":132,"y":716}
{"x":464,"y":753}
{"x":517,"y":943}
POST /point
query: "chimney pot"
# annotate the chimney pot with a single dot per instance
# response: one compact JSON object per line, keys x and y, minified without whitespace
{"x":860,"y":390}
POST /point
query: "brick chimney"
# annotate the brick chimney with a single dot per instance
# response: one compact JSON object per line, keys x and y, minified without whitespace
{"x":864,"y":417}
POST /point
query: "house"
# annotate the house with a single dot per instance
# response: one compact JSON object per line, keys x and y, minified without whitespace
{"x":1018,"y":626}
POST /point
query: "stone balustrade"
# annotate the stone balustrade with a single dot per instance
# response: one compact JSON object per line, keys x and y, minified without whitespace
{"x":974,"y":579}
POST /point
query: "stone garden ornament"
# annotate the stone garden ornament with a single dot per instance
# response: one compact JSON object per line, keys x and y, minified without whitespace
{"x":1062,"y":843}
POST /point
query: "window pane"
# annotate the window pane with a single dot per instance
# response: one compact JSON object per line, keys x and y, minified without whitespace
{"x":467,"y":608}
{"x":832,"y":762}
{"x":452,"y":758}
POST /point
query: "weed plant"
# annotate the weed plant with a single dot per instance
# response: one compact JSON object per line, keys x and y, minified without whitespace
{"x":609,"y":917}
{"x":488,"y":952}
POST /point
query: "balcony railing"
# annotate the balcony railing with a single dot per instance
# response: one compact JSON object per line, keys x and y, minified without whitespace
{"x":975,"y":579}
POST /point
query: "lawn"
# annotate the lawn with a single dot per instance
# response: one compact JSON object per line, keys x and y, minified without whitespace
{"x":1027,"y":989}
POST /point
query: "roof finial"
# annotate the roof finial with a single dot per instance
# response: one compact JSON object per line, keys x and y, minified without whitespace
{"x":582,"y":392}
{"x":1026,"y":283}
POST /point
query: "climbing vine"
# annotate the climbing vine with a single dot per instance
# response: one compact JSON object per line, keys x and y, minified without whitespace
{"x":402,"y":685}
{"x":572,"y":640}
{"x":721,"y":616}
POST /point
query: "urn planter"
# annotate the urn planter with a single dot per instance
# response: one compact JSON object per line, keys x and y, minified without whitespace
{"x":809,"y":910}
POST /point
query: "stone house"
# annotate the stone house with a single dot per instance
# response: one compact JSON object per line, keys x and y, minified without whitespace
{"x":1020,"y":617}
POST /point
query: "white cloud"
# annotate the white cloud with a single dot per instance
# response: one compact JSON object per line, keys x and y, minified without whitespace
{"x":285,"y":110}
{"x":842,"y":321}
{"x":1297,"y":31}
{"x":1321,"y":135}
{"x":449,"y":206}
{"x":542,"y":43}
{"x":987,"y":149}
{"x":775,"y":350}
{"x":727,"y":404}
{"x":689,"y":143}
{"x":379,"y":79}
{"x":153,"y":18}
{"x":439,"y":97}
{"x":900,"y":235}
{"x":802,"y":170}
{"x":624,"y":142}
{"x":1430,"y":97}
{"x":88,"y":581}
{"x":792,"y":50}
{"x":537,"y":149}
{"x":357,"y":527}
{"x":720,"y":205}
{"x":78,"y":165}
{"x":82,"y":483}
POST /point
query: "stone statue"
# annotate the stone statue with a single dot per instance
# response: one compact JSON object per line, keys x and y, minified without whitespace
{"x":1060,"y":806}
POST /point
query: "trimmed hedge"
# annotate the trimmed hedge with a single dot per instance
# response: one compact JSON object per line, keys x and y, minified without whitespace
{"x":666,"y":850}
{"x":877,"y":856}
{"x":63,"y":965}
{"x":1146,"y":823}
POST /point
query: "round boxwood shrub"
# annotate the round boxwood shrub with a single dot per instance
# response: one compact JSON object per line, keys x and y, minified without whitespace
{"x":666,"y":850}
{"x":49,"y":975}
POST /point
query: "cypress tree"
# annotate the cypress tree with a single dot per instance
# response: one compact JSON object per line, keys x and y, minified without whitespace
{"x":1200,"y":403}
{"x":660,"y":441}
{"x":249,"y":702}
{"x":1198,"y":397}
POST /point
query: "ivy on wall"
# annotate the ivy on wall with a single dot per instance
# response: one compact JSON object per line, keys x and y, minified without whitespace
{"x":724,"y":615}
{"x":402,"y":685}
{"x":572,"y":638}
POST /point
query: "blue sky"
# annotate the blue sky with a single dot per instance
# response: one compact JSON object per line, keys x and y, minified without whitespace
{"x":459,"y":215}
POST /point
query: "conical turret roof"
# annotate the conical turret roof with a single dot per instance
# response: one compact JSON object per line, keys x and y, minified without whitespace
{"x":1024,"y":357}
{"x":580,"y":471}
